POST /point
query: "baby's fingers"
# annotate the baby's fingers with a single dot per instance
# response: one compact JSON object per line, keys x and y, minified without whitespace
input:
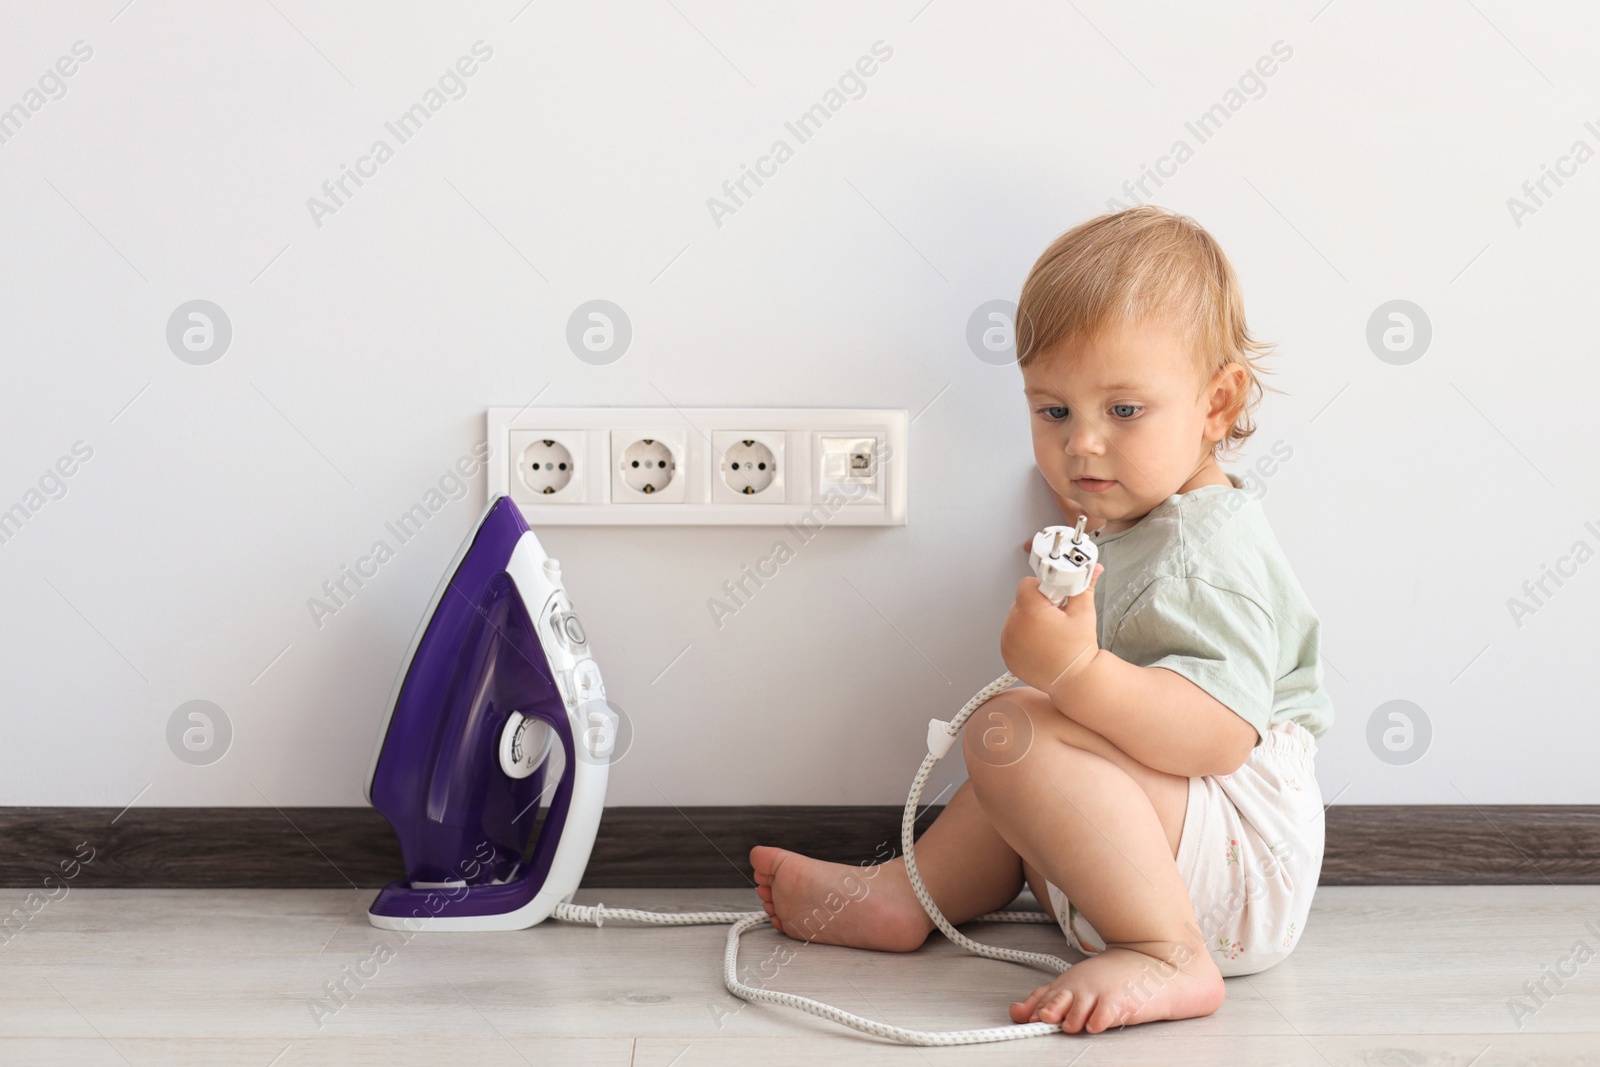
{"x":1085,"y":597}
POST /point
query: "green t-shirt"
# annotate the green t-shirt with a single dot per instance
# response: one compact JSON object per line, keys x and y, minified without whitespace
{"x":1200,"y":586}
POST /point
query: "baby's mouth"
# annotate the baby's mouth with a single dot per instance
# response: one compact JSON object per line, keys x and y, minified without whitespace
{"x":1094,"y":485}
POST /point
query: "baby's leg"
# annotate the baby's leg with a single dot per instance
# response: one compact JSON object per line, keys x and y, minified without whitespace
{"x":1083,"y":820}
{"x":967,"y":867}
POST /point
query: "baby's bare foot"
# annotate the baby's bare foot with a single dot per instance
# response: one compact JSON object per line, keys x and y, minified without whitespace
{"x":838,"y":904}
{"x":1120,"y":986}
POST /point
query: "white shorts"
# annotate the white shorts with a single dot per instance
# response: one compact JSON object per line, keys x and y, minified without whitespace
{"x":1250,"y":853}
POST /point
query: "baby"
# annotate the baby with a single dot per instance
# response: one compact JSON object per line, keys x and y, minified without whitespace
{"x":1152,"y":780}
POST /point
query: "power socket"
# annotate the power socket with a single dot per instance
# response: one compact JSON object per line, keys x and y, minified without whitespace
{"x":647,"y":466}
{"x":749,"y":467}
{"x":548,"y":466}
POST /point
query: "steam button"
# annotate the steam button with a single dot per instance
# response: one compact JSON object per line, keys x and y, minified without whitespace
{"x":586,"y":680}
{"x":557,"y":630}
{"x":575,"y":630}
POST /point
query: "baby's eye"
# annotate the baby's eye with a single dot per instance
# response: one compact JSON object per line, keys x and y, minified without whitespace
{"x":1115,"y":408}
{"x":1056,"y":413}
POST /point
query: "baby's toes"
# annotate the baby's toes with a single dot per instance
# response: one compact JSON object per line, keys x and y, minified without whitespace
{"x":1082,"y":1005}
{"x":1022,"y":1010}
{"x":1055,"y":1006}
{"x":1107,"y":1013}
{"x":763,"y":863}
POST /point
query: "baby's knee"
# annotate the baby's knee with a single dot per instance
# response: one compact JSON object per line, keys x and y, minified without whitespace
{"x":998,"y":734}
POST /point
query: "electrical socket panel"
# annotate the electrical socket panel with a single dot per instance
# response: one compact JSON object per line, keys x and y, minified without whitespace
{"x":701,"y":466}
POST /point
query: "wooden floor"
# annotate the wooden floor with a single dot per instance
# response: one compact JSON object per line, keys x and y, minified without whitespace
{"x":1396,"y":975}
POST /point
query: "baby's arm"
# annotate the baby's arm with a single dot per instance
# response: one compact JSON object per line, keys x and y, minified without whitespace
{"x":1157,"y":716}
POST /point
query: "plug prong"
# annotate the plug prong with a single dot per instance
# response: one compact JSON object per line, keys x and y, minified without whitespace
{"x":1055,"y":546}
{"x":1077,"y":534}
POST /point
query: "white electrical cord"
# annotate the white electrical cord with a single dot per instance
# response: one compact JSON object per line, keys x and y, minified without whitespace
{"x":1064,"y":570}
{"x":941,"y":737}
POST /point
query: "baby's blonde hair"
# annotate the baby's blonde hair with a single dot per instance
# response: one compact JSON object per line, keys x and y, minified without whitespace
{"x":1131,"y":266}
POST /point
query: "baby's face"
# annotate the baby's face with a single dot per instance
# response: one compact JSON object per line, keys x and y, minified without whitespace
{"x":1120,"y":421}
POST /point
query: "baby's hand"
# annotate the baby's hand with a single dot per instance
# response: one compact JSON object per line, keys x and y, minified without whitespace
{"x":1044,"y":645}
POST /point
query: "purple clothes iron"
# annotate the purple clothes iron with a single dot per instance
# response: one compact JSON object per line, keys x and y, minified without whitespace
{"x":498,"y":685}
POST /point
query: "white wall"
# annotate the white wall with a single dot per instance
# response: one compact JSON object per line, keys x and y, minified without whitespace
{"x":1376,"y":165}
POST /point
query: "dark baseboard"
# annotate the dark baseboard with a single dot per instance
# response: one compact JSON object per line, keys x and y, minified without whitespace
{"x":217,"y":848}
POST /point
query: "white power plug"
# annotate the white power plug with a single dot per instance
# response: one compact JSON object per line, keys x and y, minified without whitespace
{"x":1064,"y":561}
